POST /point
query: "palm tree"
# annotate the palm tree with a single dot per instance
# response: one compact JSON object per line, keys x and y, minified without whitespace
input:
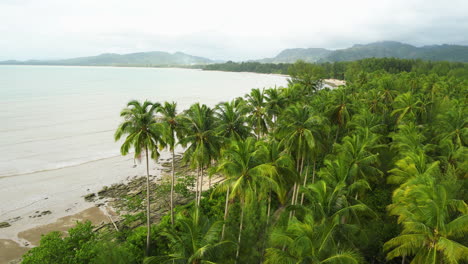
{"x":299,"y":132}
{"x":433,"y":222}
{"x":195,"y":241}
{"x":143,"y":134}
{"x":247,"y":177}
{"x":274,"y":103}
{"x":339,"y":109}
{"x":200,"y":134}
{"x":406,"y":104}
{"x":256,"y":103}
{"x":231,"y":120}
{"x":308,"y":241}
{"x":171,"y":124}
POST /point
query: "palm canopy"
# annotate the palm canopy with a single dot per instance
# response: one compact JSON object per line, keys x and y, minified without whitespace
{"x":257,"y":107}
{"x":248,"y":176}
{"x":307,"y":241}
{"x":433,"y":222}
{"x":194,"y":239}
{"x":171,"y":121}
{"x":142,"y":130}
{"x":231,"y":120}
{"x":199,"y":132}
{"x":299,"y":130}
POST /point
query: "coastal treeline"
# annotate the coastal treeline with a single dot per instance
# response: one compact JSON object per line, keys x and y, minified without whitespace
{"x":348,"y":70}
{"x":371,"y":172}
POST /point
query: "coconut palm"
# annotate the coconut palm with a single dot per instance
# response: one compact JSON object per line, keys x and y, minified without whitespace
{"x":257,"y":108}
{"x":171,"y":125}
{"x":308,"y":241}
{"x":433,"y":223}
{"x":195,"y":241}
{"x":406,"y":105}
{"x":232,"y":121}
{"x":274,"y":102}
{"x":248,"y":178}
{"x":299,"y":131}
{"x":339,"y":109}
{"x":199,"y":133}
{"x":453,"y":124}
{"x":143,"y":134}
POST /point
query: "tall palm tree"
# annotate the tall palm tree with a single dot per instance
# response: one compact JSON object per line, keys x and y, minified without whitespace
{"x":299,"y":132}
{"x":199,"y":127}
{"x":247,"y":177}
{"x":171,"y":125}
{"x":143,"y":134}
{"x":274,"y":103}
{"x":195,"y":241}
{"x":256,"y":103}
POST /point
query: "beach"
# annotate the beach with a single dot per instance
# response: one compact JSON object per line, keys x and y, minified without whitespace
{"x":41,"y":202}
{"x":57,"y":144}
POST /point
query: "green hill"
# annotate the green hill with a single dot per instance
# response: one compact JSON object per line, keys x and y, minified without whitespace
{"x":382,"y":49}
{"x":292,"y":55}
{"x":153,"y":58}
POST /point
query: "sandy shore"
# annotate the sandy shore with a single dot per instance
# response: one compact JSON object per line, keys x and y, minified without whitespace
{"x":37,"y":203}
{"x":334,"y":82}
{"x":12,"y":250}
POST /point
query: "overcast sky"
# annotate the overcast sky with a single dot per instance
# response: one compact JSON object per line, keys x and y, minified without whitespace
{"x":218,"y":29}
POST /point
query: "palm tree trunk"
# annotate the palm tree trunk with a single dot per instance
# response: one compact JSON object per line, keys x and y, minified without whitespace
{"x":240,"y":231}
{"x":305,"y":182}
{"x":147,"y":205}
{"x":298,"y":185}
{"x":337,"y":132}
{"x":292,"y":200}
{"x":403,"y":260}
{"x":313,"y":172}
{"x":268,"y":208}
{"x":196,"y":186}
{"x":172,"y":188}
{"x":226,"y":209}
{"x":201,"y":186}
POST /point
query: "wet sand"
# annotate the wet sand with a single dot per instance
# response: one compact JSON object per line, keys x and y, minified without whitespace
{"x":11,"y":250}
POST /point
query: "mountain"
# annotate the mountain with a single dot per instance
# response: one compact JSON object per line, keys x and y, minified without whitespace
{"x":153,"y":58}
{"x":292,"y":55}
{"x":375,"y":50}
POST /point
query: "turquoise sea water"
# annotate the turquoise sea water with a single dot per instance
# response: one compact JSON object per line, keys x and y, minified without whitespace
{"x":54,"y":116}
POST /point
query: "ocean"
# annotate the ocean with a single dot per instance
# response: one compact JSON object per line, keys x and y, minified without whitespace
{"x":59,"y":116}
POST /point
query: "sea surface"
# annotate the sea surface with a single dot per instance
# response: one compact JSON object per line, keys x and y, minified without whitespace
{"x":58,"y":116}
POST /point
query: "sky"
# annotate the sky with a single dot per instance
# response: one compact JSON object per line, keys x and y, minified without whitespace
{"x":218,"y":29}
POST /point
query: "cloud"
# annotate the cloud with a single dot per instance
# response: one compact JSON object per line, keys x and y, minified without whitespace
{"x":237,"y":30}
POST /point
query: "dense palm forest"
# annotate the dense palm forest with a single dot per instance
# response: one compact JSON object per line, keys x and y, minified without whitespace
{"x":371,"y":172}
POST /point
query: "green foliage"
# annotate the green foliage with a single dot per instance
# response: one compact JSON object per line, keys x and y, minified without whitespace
{"x":371,"y":172}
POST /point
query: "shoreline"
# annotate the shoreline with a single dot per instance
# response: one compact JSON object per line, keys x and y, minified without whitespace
{"x":23,"y":235}
{"x":60,"y":192}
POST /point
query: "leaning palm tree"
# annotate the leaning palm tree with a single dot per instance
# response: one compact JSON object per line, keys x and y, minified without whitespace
{"x":143,"y":134}
{"x":171,"y":125}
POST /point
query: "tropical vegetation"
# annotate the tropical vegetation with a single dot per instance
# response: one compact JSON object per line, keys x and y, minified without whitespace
{"x":372,"y":172}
